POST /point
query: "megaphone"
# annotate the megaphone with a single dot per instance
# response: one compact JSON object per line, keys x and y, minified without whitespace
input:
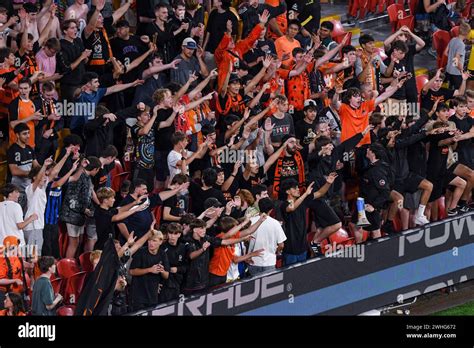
{"x":361,"y":218}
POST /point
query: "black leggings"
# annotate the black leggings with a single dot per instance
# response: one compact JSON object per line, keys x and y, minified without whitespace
{"x":50,"y":241}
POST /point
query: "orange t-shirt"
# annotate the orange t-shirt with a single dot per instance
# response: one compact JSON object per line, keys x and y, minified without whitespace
{"x":15,"y":272}
{"x":282,"y":46}
{"x":355,"y":121}
{"x":4,"y":313}
{"x":25,"y":109}
{"x":222,"y":258}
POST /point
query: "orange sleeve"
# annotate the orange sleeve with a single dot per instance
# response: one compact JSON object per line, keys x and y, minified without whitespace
{"x":221,"y":48}
{"x":243,"y":46}
{"x":370,"y":105}
{"x":222,"y":72}
{"x":284,"y":73}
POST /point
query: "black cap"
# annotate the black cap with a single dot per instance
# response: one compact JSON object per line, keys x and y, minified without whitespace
{"x":234,"y":77}
{"x":122,"y":23}
{"x":212,"y":202}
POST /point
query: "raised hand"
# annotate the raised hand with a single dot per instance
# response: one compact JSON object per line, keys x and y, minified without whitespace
{"x":331,"y":177}
{"x":264,"y":17}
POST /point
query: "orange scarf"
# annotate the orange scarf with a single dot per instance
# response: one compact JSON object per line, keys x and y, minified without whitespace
{"x":277,"y":178}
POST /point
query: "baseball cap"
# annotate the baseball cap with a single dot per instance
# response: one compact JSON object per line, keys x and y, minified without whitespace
{"x":234,"y":77}
{"x":189,"y":43}
{"x":212,"y":202}
{"x":122,"y":23}
{"x":310,"y":103}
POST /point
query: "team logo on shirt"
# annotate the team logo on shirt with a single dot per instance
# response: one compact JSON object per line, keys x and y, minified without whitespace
{"x":382,"y":182}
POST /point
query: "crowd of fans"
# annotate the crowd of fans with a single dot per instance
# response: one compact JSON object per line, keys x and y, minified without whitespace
{"x":228,"y":130}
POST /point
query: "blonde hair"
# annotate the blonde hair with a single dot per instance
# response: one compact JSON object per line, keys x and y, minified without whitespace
{"x":155,"y":234}
{"x":160,"y":94}
{"x":105,"y":192}
{"x":95,"y":255}
{"x":464,"y":28}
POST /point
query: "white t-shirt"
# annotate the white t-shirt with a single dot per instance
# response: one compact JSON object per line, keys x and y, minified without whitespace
{"x":10,"y":214}
{"x":36,"y":204}
{"x":267,"y":237}
{"x":173,"y":158}
{"x":233,"y":271}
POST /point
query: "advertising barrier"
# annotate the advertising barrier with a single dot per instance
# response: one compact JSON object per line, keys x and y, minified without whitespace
{"x":388,"y":270}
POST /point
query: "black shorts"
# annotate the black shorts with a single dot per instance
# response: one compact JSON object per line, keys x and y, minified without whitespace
{"x":455,"y":81}
{"x":374,"y":218}
{"x":324,"y":215}
{"x":409,"y":185}
{"x":440,"y":184}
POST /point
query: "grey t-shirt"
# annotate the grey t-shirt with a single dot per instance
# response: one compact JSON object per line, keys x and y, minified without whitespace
{"x":43,"y":295}
{"x":185,"y":68}
{"x":455,"y":46}
{"x":282,"y":127}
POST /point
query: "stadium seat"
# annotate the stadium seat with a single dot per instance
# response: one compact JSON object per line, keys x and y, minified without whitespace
{"x":56,"y":283}
{"x":413,"y":4}
{"x":67,"y":268}
{"x":395,"y":13}
{"x":85,"y":261}
{"x":341,"y":237}
{"x":442,"y":213}
{"x":63,"y":239}
{"x":66,"y":311}
{"x":454,"y":31}
{"x":421,"y":80}
{"x":118,"y":176}
{"x":409,"y":21}
{"x":73,"y":287}
{"x":440,"y":43}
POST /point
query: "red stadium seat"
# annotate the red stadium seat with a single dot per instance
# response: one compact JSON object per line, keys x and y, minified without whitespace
{"x":442,"y":213}
{"x":409,"y":21}
{"x":421,"y":80}
{"x":73,"y":287}
{"x":413,"y":4}
{"x":395,"y":13}
{"x":66,"y":311}
{"x":441,"y":40}
{"x":67,"y":268}
{"x":56,"y":283}
{"x":454,"y":31}
{"x":63,"y":239}
{"x":341,"y":237}
{"x":118,"y":176}
{"x":85,"y":261}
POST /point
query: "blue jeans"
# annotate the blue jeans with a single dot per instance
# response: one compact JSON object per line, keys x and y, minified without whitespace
{"x":290,"y":259}
{"x":254,"y":270}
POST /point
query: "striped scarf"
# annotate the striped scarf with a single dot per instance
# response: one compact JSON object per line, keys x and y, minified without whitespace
{"x":278,"y":168}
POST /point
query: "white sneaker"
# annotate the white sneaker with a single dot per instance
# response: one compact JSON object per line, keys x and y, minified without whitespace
{"x":421,"y":220}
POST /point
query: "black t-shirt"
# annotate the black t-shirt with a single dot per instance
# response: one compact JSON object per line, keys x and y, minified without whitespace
{"x":197,"y":276}
{"x":428,"y":99}
{"x":163,"y":135}
{"x":295,"y":227}
{"x":289,"y":170}
{"x":464,"y":148}
{"x":70,"y":52}
{"x":178,"y":205}
{"x":438,"y":156}
{"x":216,"y":27}
{"x":177,"y":258}
{"x":400,"y":94}
{"x":100,"y":179}
{"x":97,"y":43}
{"x":127,"y":51}
{"x":104,"y":225}
{"x":199,"y":196}
{"x":145,"y":288}
{"x":303,"y":132}
{"x":252,"y":181}
{"x":23,"y":158}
